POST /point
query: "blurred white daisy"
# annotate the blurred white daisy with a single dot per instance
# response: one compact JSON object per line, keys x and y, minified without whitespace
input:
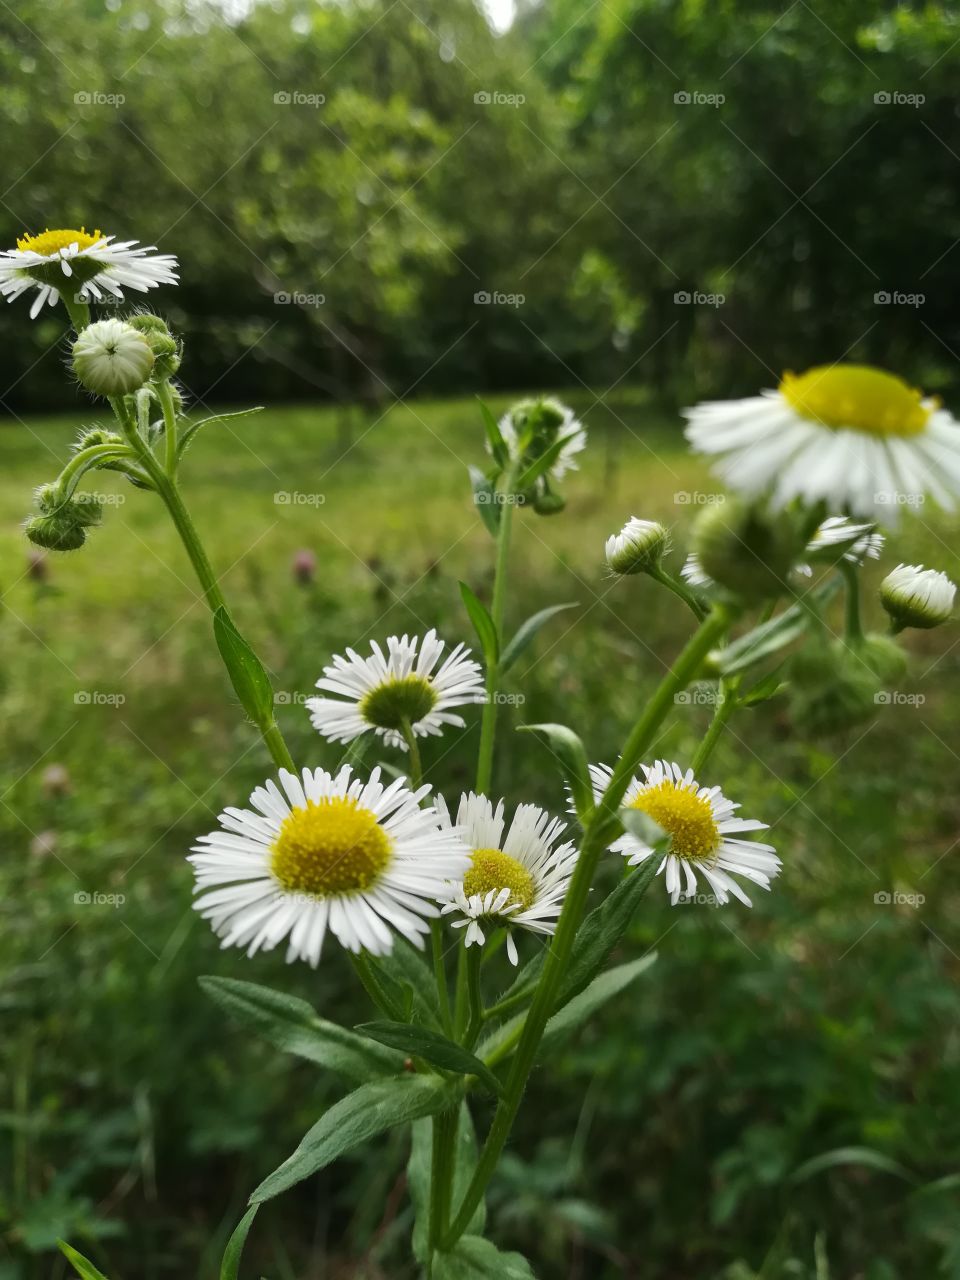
{"x":855,"y":437}
{"x":860,"y":542}
{"x":533,"y":425}
{"x":88,"y":264}
{"x":704,"y":834}
{"x":517,"y":881}
{"x":325,"y":852}
{"x":385,"y":691}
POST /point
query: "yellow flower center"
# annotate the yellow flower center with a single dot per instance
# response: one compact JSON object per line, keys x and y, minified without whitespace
{"x":331,"y":847}
{"x":406,"y":699}
{"x":48,"y":242}
{"x":687,"y":817}
{"x":494,"y":869}
{"x":859,"y":397}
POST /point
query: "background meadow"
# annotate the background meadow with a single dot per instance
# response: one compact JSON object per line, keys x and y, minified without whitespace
{"x":777,"y":1097}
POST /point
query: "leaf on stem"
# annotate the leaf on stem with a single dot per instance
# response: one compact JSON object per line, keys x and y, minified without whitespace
{"x":863,"y":1157}
{"x":473,"y":1258}
{"x":485,"y":499}
{"x":421,"y":1042}
{"x":572,"y":757}
{"x":409,"y":983}
{"x":498,"y":446}
{"x":291,"y":1025}
{"x":368,"y":1111}
{"x":188,"y":433}
{"x":483,"y":625}
{"x":545,"y":461}
{"x":527,"y":631}
{"x":83,"y":1267}
{"x":774,"y":635}
{"x":247,"y":675}
{"x":230,"y":1266}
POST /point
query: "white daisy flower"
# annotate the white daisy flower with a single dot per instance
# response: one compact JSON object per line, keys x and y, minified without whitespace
{"x":517,"y":881}
{"x":88,"y":264}
{"x":704,"y":834}
{"x":917,"y":597}
{"x":638,"y":547}
{"x":551,"y":421}
{"x":325,"y":852}
{"x":385,"y":691}
{"x":854,"y":437}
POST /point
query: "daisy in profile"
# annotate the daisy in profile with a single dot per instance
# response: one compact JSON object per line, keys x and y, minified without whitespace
{"x":836,"y":538}
{"x":88,"y":264}
{"x":532,"y":426}
{"x":322,"y":852}
{"x":857,"y":438}
{"x":402,"y":687}
{"x":917,"y":597}
{"x":513,"y":881}
{"x":704,"y":835}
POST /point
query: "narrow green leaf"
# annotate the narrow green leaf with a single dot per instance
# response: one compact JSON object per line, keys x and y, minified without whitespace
{"x":247,"y":675}
{"x":410,"y":984}
{"x":486,"y":500}
{"x":864,"y":1157}
{"x":763,"y":690}
{"x":361,"y":1115}
{"x":604,"y":927}
{"x":420,"y":1042}
{"x":230,"y":1266}
{"x":498,"y":446}
{"x":83,"y":1267}
{"x":569,"y":750}
{"x":188,"y":433}
{"x":527,"y":631}
{"x":357,"y":751}
{"x":483,"y":624}
{"x":418,"y":1176}
{"x":290,"y":1024}
{"x":473,"y":1258}
{"x":774,"y":635}
{"x":576,"y":1011}
{"x":545,"y":461}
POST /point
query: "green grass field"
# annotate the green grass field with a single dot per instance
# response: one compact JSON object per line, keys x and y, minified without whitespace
{"x":136,"y":1121}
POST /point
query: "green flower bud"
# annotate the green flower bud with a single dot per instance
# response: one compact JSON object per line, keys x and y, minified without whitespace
{"x":96,"y":435}
{"x":111,"y":358}
{"x":546,"y":503}
{"x":832,"y":688}
{"x":63,"y":522}
{"x":745,"y":550}
{"x":883,"y":656}
{"x":54,"y":534}
{"x":917,"y":597}
{"x":147,"y":322}
{"x":638,"y":547}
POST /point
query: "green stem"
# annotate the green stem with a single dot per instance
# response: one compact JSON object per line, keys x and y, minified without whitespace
{"x":680,"y":588}
{"x":854,"y":629}
{"x":442,"y":1162}
{"x":415,"y":772}
{"x":165,"y":393}
{"x":166,"y":486}
{"x":79,"y":312}
{"x":724,"y":709}
{"x":488,"y":722}
{"x":474,"y":996}
{"x":86,"y":458}
{"x":595,"y":840}
{"x":440,"y":973}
